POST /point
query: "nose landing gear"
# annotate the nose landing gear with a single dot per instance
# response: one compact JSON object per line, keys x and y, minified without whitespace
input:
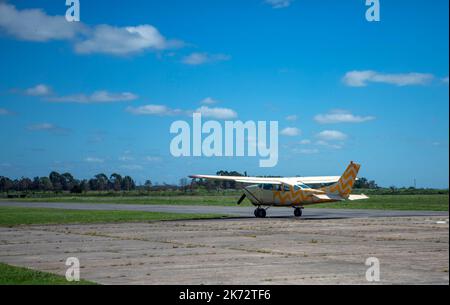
{"x":260,"y":213}
{"x":298,"y":212}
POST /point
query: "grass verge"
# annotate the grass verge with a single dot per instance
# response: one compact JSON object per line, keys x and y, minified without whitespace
{"x":394,"y":202}
{"x":14,"y":216}
{"x":11,"y":275}
{"x":438,"y":202}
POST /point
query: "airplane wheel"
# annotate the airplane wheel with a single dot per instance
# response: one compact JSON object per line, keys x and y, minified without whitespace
{"x":298,"y":212}
{"x":260,"y":213}
{"x":263,"y":213}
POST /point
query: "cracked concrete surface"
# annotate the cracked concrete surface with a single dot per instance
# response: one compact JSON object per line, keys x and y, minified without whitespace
{"x":411,"y":250}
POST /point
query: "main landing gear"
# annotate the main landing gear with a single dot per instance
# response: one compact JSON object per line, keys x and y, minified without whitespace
{"x":298,"y":212}
{"x":260,"y":213}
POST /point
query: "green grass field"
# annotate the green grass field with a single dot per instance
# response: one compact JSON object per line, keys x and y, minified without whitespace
{"x":219,"y":200}
{"x":383,"y":202}
{"x":395,"y":202}
{"x":11,"y":275}
{"x":12,"y":216}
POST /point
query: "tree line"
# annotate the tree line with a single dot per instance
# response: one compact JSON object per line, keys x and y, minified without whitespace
{"x":57,"y":182}
{"x":66,"y":182}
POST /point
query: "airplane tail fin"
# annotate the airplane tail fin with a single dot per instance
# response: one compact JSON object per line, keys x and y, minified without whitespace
{"x":345,"y":184}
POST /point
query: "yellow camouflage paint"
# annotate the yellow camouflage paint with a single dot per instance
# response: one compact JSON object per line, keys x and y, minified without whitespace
{"x":342,"y":188}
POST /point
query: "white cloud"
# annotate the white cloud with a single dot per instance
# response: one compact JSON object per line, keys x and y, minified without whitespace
{"x":332,"y":135}
{"x":196,"y":59}
{"x":94,"y":160}
{"x":291,"y":118}
{"x":445,"y":80}
{"x":305,"y":142}
{"x":48,"y":127}
{"x":36,"y":25}
{"x":306,"y":151}
{"x":290,"y":132}
{"x":329,"y":145}
{"x":153,"y":159}
{"x":132,"y":167}
{"x":39,"y":90}
{"x":160,"y":110}
{"x":126,"y":158}
{"x":362,"y":78}
{"x":96,"y":97}
{"x":341,"y":116}
{"x":124,"y":40}
{"x":217,"y":113}
{"x":209,"y":101}
{"x":4,"y":111}
{"x":279,"y":3}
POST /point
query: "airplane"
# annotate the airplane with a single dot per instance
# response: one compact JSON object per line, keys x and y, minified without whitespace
{"x":294,"y":191}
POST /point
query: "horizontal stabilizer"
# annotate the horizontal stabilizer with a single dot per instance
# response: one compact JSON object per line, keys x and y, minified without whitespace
{"x":357,"y":197}
{"x":328,"y":197}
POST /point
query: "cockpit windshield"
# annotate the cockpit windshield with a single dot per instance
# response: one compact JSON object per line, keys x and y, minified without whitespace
{"x":303,"y":186}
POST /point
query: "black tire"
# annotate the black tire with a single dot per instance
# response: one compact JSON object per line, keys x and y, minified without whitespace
{"x":262,"y":213}
{"x":298,"y":212}
{"x":256,"y":213}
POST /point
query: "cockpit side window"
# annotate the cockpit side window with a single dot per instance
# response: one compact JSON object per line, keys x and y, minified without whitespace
{"x":268,"y":187}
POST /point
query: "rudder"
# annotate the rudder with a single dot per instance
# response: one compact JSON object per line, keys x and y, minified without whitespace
{"x":345,"y":184}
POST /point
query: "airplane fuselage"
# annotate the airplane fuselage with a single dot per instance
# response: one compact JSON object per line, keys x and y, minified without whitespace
{"x":282,"y":195}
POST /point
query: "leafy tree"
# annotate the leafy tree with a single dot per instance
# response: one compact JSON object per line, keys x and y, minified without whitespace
{"x":148,"y":185}
{"x":363,"y":183}
{"x":24,"y":184}
{"x":45,"y":184}
{"x":55,"y":178}
{"x":93,"y":184}
{"x":6,"y":184}
{"x":67,"y":181}
{"x":128,"y":184}
{"x":84,"y":185}
{"x":116,"y":182}
{"x":102,"y":182}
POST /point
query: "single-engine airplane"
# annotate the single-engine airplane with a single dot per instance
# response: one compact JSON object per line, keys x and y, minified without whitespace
{"x":294,"y":192}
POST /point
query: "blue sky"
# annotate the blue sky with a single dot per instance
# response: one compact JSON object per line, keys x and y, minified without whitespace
{"x":101,"y":94}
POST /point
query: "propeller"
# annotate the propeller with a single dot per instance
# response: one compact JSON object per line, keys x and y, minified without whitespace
{"x":241,"y":199}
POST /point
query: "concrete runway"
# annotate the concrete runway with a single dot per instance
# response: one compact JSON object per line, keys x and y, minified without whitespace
{"x":410,"y":250}
{"x":329,"y":248}
{"x":236,"y":211}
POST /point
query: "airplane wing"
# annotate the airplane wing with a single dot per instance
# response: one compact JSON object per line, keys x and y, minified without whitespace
{"x":259,"y":180}
{"x":241,"y":179}
{"x":318,"y":180}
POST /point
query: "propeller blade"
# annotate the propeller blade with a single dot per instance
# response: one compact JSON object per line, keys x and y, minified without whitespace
{"x":241,"y":199}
